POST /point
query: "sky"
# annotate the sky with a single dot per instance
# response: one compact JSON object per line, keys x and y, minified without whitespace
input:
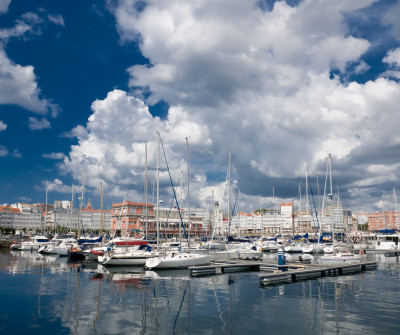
{"x":86,"y":85}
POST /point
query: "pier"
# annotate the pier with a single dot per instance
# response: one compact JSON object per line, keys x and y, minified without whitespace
{"x":275,"y":274}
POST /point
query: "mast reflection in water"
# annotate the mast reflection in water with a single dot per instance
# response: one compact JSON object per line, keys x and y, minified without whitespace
{"x":47,"y":295}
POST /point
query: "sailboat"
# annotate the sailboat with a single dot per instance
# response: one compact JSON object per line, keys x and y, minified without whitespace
{"x":236,"y":251}
{"x":175,"y":259}
{"x":340,"y":258}
{"x":131,"y":257}
{"x":335,"y":255}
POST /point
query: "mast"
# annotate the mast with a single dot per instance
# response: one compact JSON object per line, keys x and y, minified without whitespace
{"x":45,"y":207}
{"x":212,"y":228}
{"x":72,"y":204}
{"x":81,"y":206}
{"x":146,"y":191}
{"x":238,"y":212}
{"x":158,"y":191}
{"x":330,"y":195}
{"x":262,"y":219}
{"x":273,"y":199}
{"x":188,"y":183}
{"x":101,"y":206}
{"x":308,"y":215}
{"x":229,"y":195}
{"x":396,"y":220}
{"x":180,"y":207}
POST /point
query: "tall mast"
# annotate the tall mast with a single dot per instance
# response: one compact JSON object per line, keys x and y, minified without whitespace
{"x":146,"y":191}
{"x":212,"y":227}
{"x":81,"y":207}
{"x":72,"y":203}
{"x":262,"y":219}
{"x":396,"y":220}
{"x":330,"y":195}
{"x":158,"y":190}
{"x":45,"y":207}
{"x":229,"y":195}
{"x":101,"y":206}
{"x":180,"y":206}
{"x":273,"y":199}
{"x":188,"y":187}
{"x":307,"y":200}
{"x":238,"y":212}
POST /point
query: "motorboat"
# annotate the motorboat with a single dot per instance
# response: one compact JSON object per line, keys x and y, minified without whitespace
{"x":35,"y":243}
{"x":177,"y":260}
{"x":387,"y":242}
{"x":55,"y":242}
{"x":47,"y":249}
{"x":16,"y":245}
{"x":65,"y":245}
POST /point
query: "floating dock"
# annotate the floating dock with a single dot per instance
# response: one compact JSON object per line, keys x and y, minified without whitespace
{"x":313,"y":271}
{"x":392,"y":253}
{"x":275,"y":274}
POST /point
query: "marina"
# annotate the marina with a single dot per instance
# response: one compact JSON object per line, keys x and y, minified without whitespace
{"x":50,"y":294}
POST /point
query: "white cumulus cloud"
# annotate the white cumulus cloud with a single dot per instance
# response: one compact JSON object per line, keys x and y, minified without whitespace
{"x":253,"y":80}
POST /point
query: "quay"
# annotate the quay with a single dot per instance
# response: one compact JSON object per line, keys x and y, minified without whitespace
{"x":275,"y":274}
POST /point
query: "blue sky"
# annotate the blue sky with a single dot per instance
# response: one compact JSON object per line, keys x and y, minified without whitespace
{"x":83,"y":84}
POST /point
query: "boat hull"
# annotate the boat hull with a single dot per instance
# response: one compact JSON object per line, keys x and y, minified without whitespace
{"x":177,"y":261}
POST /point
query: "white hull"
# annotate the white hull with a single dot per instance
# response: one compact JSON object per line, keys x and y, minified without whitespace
{"x":340,"y":259}
{"x":16,"y":246}
{"x":132,"y":258}
{"x":178,"y":260}
{"x":239,"y":254}
{"x":293,"y":248}
{"x":35,"y":244}
{"x":47,"y":250}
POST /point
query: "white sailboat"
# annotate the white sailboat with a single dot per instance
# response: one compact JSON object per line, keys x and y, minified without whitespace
{"x":239,"y":250}
{"x":175,"y":259}
{"x":131,"y":257}
{"x":340,"y":258}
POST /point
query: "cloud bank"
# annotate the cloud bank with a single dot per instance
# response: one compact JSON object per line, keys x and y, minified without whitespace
{"x":273,"y":85}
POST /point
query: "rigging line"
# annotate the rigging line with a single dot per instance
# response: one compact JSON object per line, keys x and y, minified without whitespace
{"x":234,"y":205}
{"x":169,"y":212}
{"x":170,"y":209}
{"x":173,"y":189}
{"x":312,"y":197}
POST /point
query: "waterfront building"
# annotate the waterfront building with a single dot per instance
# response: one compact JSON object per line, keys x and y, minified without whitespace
{"x":129,"y":219}
{"x":361,"y":221}
{"x":287,"y":217}
{"x":383,"y":220}
{"x":33,"y":217}
{"x":9,"y":216}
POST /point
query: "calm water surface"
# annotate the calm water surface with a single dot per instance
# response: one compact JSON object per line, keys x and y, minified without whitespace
{"x":47,"y":295}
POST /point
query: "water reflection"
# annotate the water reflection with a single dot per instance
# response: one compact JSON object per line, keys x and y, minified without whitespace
{"x":48,"y":294}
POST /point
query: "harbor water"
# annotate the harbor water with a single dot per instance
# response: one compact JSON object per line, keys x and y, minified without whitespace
{"x":49,"y":295}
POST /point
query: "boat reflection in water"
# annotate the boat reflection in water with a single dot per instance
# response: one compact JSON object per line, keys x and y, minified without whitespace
{"x":48,"y":295}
